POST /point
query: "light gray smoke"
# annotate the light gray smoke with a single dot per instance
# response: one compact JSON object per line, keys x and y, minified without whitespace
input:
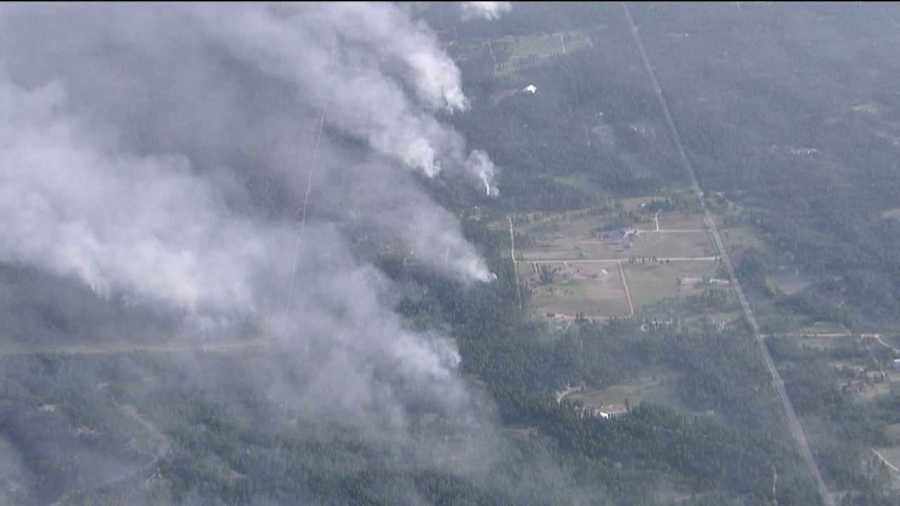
{"x":111,"y":231}
{"x":135,"y":139}
{"x":481,"y":166}
{"x":485,"y":10}
{"x":161,"y":152}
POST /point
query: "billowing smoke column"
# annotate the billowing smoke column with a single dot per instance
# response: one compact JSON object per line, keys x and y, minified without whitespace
{"x":481,"y":165}
{"x":170,"y":80}
{"x":158,"y":152}
{"x":149,"y":225}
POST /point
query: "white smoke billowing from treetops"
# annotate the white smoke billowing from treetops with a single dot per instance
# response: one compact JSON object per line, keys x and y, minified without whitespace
{"x":163,"y":155}
{"x":160,"y":151}
{"x":330,"y":56}
{"x":481,"y":165}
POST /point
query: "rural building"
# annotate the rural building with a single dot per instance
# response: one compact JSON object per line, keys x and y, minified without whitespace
{"x":609,"y":411}
{"x":655,"y":324}
{"x":619,"y":234}
{"x":691,"y":282}
{"x":897,"y":364}
{"x":530,"y":89}
{"x":870,"y":339}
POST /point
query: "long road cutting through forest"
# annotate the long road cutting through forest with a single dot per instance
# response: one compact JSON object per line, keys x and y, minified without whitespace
{"x":796,"y":429}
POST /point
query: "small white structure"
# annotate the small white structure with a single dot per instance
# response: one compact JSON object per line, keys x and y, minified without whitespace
{"x":530,"y":89}
{"x":609,"y":411}
{"x":897,"y":364}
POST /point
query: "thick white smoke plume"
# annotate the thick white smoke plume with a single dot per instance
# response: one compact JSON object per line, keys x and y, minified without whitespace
{"x":485,"y":10}
{"x":171,"y":236}
{"x":357,"y":58}
{"x":159,"y":151}
{"x":481,"y":165}
{"x":71,"y":203}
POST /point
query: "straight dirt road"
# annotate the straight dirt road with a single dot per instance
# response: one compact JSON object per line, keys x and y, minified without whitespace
{"x":619,"y":260}
{"x":793,"y":422}
{"x":512,"y":256}
{"x":627,"y":290}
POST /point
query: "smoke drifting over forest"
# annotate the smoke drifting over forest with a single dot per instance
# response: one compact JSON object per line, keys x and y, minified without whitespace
{"x":159,"y":156}
{"x":141,"y":124}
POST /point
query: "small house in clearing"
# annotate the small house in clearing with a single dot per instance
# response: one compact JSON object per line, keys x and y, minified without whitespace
{"x":609,"y":411}
{"x":605,"y":411}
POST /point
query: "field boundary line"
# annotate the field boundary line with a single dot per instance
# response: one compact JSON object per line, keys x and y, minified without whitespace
{"x":627,"y":290}
{"x":512,"y":256}
{"x":715,"y":258}
{"x":885,"y":461}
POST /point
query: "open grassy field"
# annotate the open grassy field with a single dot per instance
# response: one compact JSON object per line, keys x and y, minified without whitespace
{"x":593,"y":289}
{"x":576,"y":224}
{"x":651,"y":283}
{"x":562,"y":246}
{"x":739,"y":238}
{"x":824,"y":343}
{"x":687,"y":244}
{"x":677,"y":220}
{"x":657,"y":387}
{"x":513,"y":52}
{"x":696,"y":322}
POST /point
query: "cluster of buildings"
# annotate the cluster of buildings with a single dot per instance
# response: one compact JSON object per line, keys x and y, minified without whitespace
{"x":604,"y":411}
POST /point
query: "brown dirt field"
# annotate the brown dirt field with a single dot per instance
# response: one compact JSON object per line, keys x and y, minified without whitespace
{"x":738,"y":238}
